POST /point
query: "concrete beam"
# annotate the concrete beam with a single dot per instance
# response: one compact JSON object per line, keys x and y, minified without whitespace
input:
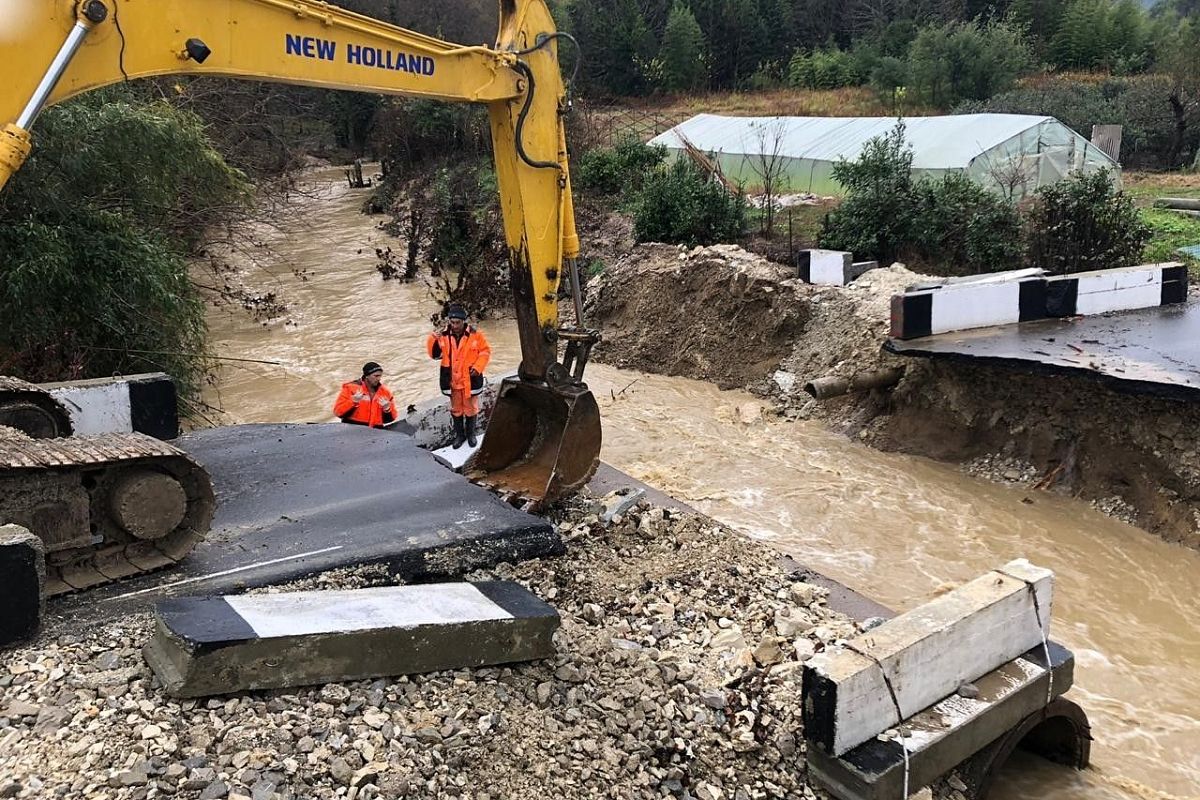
{"x":216,"y":645}
{"x":143,"y":403}
{"x":22,"y":573}
{"x":1102,"y":291}
{"x":922,"y":656}
{"x":967,"y":305}
{"x":954,"y":730}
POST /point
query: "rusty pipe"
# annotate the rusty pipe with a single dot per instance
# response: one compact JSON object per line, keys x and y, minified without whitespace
{"x":833,"y":386}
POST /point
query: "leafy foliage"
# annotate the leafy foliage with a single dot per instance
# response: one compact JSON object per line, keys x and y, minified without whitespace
{"x":966,"y":227}
{"x":877,"y":219}
{"x":829,"y":68}
{"x":679,"y":204}
{"x":1083,"y":223}
{"x":966,"y":60}
{"x":619,"y":169}
{"x":94,"y":231}
{"x":953,"y":225}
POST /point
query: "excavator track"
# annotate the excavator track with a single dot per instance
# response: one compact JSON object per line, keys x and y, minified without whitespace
{"x":106,"y":507}
{"x":31,"y":409}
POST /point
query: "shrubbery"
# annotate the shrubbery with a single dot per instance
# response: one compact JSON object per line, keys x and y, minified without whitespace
{"x":619,"y":169}
{"x":956,"y":226}
{"x":94,"y":232}
{"x":679,"y":204}
{"x":1083,"y":224}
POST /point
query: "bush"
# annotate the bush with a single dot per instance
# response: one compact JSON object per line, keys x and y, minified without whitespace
{"x":966,"y":227}
{"x":679,"y":204}
{"x":619,"y":169}
{"x":830,"y":68}
{"x":876,"y":219}
{"x":953,"y":225}
{"x":94,"y":231}
{"x":1083,"y":223}
{"x":959,"y":61}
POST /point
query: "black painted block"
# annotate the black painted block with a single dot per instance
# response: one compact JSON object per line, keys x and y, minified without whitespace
{"x":154,"y":406}
{"x":22,"y":570}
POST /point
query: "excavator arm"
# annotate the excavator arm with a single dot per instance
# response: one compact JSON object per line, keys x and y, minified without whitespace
{"x":543,"y":441}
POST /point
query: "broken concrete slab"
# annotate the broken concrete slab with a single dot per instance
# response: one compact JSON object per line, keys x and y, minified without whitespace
{"x":297,"y":499}
{"x":454,"y":459}
{"x":23,"y":567}
{"x":217,"y":645}
{"x":144,"y":403}
{"x":940,"y":738}
{"x":903,"y":666}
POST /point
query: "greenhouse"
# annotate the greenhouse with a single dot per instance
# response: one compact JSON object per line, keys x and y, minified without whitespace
{"x":1011,"y":153}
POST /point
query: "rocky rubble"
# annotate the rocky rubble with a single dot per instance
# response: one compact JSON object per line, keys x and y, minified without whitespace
{"x":677,"y":675}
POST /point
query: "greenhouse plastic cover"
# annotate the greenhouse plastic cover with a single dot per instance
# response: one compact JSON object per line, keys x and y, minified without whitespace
{"x":1013,"y":153}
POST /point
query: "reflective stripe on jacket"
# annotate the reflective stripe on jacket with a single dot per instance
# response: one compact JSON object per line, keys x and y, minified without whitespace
{"x":364,"y":412}
{"x":459,"y":355}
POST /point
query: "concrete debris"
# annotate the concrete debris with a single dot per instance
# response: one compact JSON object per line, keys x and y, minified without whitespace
{"x":617,"y":503}
{"x":624,"y":709}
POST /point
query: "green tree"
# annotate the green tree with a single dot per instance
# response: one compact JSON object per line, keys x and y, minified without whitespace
{"x":682,"y":51}
{"x":619,"y":45}
{"x":966,"y":60}
{"x":94,"y":231}
{"x":877,"y":218}
{"x":1083,"y":37}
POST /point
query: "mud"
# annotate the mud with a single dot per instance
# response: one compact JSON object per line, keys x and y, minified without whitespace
{"x":730,"y":317}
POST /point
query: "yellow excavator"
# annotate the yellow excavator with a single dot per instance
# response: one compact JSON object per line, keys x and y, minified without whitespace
{"x":543,"y":440}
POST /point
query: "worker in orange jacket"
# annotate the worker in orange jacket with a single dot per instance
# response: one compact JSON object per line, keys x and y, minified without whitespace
{"x":464,"y":353}
{"x":366,"y":401}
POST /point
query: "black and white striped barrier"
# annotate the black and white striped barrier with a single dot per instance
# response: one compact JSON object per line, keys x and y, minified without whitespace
{"x":830,"y":267}
{"x":144,"y":403}
{"x":988,"y":301}
{"x":967,"y":305}
{"x":1102,"y":291}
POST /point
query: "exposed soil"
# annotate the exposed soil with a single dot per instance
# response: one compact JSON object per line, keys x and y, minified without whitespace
{"x":730,"y":317}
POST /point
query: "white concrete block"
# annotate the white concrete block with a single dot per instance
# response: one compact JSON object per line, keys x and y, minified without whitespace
{"x":976,"y":306}
{"x":924,"y":655}
{"x":96,"y":408}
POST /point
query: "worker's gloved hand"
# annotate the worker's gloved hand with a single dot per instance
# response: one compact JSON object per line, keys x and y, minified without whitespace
{"x":385,"y":404}
{"x":359,"y":397}
{"x":473,"y":371}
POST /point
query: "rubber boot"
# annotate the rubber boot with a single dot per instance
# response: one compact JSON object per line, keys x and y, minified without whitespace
{"x":460,"y":432}
{"x":471,"y":440}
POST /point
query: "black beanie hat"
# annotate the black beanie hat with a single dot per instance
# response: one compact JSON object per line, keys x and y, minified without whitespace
{"x":370,"y":367}
{"x":456,"y":312}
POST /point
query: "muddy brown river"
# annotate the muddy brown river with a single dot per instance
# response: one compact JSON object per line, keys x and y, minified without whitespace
{"x":899,"y":529}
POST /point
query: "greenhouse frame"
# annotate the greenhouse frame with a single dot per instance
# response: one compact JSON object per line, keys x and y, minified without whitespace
{"x":1014,"y":154}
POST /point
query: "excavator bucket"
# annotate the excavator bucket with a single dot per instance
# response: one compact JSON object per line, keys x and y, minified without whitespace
{"x":541,"y":444}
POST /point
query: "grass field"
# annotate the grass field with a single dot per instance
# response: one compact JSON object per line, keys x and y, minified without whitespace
{"x":1170,"y":230}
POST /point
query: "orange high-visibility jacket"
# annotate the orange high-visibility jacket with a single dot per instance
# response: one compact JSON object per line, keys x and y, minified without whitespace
{"x":364,"y":412}
{"x":459,"y":356}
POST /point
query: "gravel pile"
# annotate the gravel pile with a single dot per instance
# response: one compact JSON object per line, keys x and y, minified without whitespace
{"x":678,"y":675}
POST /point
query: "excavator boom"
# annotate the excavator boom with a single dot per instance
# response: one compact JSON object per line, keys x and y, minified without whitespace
{"x":544,"y":442}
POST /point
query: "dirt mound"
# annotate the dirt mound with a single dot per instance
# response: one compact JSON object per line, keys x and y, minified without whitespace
{"x":727,"y":316}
